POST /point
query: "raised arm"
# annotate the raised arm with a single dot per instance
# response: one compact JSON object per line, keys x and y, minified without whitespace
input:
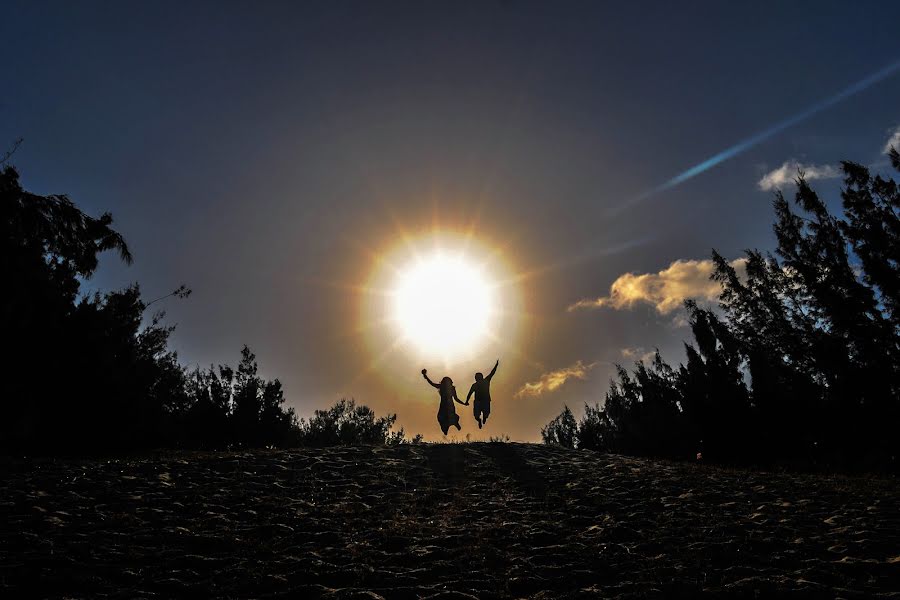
{"x":494,"y":370}
{"x":433,"y":384}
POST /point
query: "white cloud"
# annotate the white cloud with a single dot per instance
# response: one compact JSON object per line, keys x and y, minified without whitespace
{"x":555,"y":379}
{"x":638,"y":354}
{"x":666,"y":290}
{"x":680,"y":320}
{"x":894,"y":141}
{"x":787,"y":173}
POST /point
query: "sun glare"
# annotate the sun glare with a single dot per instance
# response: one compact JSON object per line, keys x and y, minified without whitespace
{"x":441,"y":299}
{"x":443,"y":303}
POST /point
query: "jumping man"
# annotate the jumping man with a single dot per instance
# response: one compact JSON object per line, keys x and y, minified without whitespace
{"x":482,"y":390}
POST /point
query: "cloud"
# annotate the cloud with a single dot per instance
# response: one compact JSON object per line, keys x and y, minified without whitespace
{"x":788,"y":172}
{"x":555,"y":379}
{"x":638,"y":354}
{"x":666,"y":290}
{"x":894,"y":141}
{"x":680,"y":320}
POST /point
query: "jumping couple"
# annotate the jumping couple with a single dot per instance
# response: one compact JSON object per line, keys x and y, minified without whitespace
{"x":447,"y":416}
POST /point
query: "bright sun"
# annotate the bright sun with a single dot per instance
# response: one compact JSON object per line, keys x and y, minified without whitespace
{"x":440,"y":299}
{"x":443,"y":304}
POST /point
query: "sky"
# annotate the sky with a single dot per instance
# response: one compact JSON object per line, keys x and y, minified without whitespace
{"x":289,"y":161}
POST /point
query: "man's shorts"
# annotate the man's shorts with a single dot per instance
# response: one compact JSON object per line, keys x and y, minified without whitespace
{"x":481,"y":408}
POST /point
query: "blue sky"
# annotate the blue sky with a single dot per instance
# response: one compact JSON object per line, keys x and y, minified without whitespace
{"x":254,"y":151}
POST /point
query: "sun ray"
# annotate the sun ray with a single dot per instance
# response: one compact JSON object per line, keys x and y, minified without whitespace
{"x":573,"y":261}
{"x":378,"y":259}
{"x":517,"y":313}
{"x":365,"y":327}
{"x":362,"y":290}
{"x":401,"y":233}
{"x":470,"y":229}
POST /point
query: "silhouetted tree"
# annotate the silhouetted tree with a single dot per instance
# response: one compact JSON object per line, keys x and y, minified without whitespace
{"x":347,"y":423}
{"x":595,"y":431}
{"x":800,"y":362}
{"x":641,"y":414}
{"x":713,"y":394}
{"x":237,"y":408}
{"x":207,"y":416}
{"x":81,"y":373}
{"x":246,"y":399}
{"x":94,"y":373}
{"x":562,"y":430}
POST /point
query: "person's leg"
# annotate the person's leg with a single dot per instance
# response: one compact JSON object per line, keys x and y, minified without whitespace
{"x":476,"y":410}
{"x":485,"y":412}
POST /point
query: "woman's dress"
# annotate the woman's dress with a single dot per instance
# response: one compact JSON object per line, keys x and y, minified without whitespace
{"x":446,"y":415}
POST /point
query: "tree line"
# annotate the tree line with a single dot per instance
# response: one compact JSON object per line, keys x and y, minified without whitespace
{"x":94,"y":373}
{"x":798,"y":364}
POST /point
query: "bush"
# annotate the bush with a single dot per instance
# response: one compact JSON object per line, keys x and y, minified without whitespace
{"x":562,"y":430}
{"x":228,"y":407}
{"x":346,"y":424}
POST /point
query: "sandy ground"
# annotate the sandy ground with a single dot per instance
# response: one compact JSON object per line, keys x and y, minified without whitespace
{"x":443,"y":521}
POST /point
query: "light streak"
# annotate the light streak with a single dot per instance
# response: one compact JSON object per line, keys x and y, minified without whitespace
{"x":767,"y":133}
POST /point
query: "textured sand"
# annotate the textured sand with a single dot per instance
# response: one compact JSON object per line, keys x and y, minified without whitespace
{"x":448,"y":521}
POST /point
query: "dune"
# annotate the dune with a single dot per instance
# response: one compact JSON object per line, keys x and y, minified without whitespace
{"x":482,"y":520}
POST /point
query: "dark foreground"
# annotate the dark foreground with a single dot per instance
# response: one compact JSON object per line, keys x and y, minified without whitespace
{"x":449,"y":521}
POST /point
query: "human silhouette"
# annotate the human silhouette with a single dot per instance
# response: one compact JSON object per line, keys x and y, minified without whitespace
{"x":446,"y":415}
{"x":482,"y":390}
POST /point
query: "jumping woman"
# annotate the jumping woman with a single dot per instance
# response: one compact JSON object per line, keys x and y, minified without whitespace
{"x":446,"y":415}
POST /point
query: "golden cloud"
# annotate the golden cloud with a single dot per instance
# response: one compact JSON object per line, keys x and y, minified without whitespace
{"x":666,"y":290}
{"x":555,"y":379}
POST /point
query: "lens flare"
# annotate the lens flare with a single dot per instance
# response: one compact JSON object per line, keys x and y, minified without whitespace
{"x":442,"y":299}
{"x":765,"y":134}
{"x":443,"y":302}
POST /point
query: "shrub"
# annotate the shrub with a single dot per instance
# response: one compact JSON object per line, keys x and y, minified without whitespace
{"x":347,"y":423}
{"x":562,"y":430}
